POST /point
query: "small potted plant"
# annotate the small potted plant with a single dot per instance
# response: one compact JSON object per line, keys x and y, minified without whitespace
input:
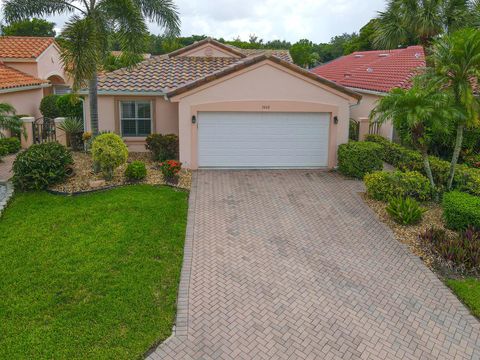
{"x":170,"y":170}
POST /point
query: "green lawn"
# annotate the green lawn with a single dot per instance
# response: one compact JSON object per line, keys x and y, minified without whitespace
{"x":468,"y":291}
{"x":90,"y":277}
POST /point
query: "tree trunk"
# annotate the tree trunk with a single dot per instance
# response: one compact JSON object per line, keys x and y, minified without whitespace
{"x":455,"y":156}
{"x":93,"y":97}
{"x":428,"y":171}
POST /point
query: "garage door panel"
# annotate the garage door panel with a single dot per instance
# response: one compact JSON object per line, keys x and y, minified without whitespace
{"x":231,"y":139}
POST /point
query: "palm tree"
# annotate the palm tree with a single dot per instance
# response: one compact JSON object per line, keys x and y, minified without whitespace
{"x":422,"y":112}
{"x":9,"y":120}
{"x":457,"y":69}
{"x":407,"y":22}
{"x":84,"y":37}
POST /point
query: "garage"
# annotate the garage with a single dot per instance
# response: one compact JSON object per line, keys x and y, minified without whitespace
{"x":263,"y":139}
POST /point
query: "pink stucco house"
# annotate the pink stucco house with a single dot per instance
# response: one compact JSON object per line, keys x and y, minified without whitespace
{"x":30,"y":68}
{"x":373,"y":74}
{"x":231,"y":107}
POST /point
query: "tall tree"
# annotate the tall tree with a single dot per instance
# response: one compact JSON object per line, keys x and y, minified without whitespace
{"x":85,"y":35}
{"x":303,"y":53}
{"x":420,"y":21}
{"x":457,"y":68}
{"x":30,"y":27}
{"x":422,"y":112}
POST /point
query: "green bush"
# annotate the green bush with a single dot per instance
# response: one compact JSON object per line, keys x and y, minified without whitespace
{"x":3,"y":151}
{"x":12,"y":144}
{"x":163,"y":147}
{"x":109,"y":152}
{"x":135,"y":171}
{"x":49,"y":108}
{"x":405,"y":211}
{"x":473,"y":161}
{"x":461,"y":250}
{"x":356,"y":159}
{"x":41,"y":165}
{"x":70,"y":106}
{"x":461,"y":210}
{"x":383,"y":185}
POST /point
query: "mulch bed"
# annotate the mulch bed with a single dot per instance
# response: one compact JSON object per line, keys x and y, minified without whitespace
{"x":83,"y":176}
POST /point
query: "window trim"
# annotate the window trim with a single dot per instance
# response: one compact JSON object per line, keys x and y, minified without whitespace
{"x":151,"y":102}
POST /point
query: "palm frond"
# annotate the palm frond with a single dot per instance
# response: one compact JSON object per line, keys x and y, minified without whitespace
{"x":16,"y":10}
{"x":162,"y":12}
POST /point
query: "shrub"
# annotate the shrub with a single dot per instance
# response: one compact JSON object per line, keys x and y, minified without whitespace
{"x":382,"y":185}
{"x":170,"y":170}
{"x":135,"y":171}
{"x":461,"y":250}
{"x":356,"y":159}
{"x":3,"y":151}
{"x":12,"y":144}
{"x":49,"y":108}
{"x":70,"y":106}
{"x":41,"y":165}
{"x":73,"y":128}
{"x":473,"y":161}
{"x":405,"y":211}
{"x":461,"y":210}
{"x":163,"y":147}
{"x":109,"y":152}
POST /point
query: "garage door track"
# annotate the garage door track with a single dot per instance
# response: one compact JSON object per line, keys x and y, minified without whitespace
{"x":293,"y":265}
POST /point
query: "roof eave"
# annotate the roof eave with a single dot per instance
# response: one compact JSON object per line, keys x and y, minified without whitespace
{"x":126,"y":92}
{"x":24,"y":88}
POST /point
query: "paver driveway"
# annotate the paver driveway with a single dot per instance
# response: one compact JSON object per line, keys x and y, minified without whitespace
{"x":293,"y":265}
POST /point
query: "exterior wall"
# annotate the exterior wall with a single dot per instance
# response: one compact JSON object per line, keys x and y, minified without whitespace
{"x":208,"y":50}
{"x":25,"y":102}
{"x":363,"y":110}
{"x":50,"y":64}
{"x":29,"y":68}
{"x":164,"y":113}
{"x":266,"y":86}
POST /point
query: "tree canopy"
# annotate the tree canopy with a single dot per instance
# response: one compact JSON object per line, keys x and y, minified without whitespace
{"x":29,"y":27}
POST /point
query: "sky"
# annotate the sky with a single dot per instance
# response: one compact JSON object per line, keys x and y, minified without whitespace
{"x":291,"y":20}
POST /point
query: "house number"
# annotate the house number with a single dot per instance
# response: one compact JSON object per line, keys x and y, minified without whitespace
{"x":265,"y":107}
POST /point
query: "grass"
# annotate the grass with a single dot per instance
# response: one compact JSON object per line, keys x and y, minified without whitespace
{"x":467,"y":290}
{"x":90,"y":277}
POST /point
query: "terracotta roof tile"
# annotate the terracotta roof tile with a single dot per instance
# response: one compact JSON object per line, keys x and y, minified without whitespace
{"x":11,"y":78}
{"x":379,"y":70}
{"x":23,"y":47}
{"x":282,"y":54}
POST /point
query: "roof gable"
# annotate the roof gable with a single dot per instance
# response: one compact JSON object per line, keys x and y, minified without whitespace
{"x":23,"y":47}
{"x":379,"y":70}
{"x":224,"y":48}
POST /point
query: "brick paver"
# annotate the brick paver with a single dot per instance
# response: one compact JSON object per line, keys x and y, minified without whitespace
{"x":293,"y":265}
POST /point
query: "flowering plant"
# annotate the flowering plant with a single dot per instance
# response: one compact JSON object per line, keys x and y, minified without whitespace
{"x":170,"y":169}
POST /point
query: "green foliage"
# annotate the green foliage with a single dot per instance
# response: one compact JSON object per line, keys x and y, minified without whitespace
{"x":356,"y":159}
{"x":467,"y":290}
{"x":170,"y":170}
{"x":103,"y":268}
{"x":12,"y":144}
{"x":41,"y":165}
{"x":473,"y":161}
{"x":365,"y":39}
{"x":461,"y":210}
{"x":303,"y":53}
{"x":405,"y":211}
{"x":109,"y":152}
{"x":33,"y":27}
{"x":163,"y":147}
{"x":112,"y":62}
{"x":136,"y":170}
{"x":70,"y":106}
{"x":462,"y":251}
{"x":49,"y":107}
{"x":9,"y":120}
{"x":353,"y":130}
{"x":73,"y":128}
{"x":3,"y":151}
{"x":383,"y":185}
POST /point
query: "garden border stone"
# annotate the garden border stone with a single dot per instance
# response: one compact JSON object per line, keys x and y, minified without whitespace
{"x":8,"y":195}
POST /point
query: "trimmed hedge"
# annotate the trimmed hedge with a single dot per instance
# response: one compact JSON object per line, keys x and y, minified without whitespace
{"x":466,"y":179}
{"x":461,"y":210}
{"x":12,"y":144}
{"x":136,"y":171}
{"x":383,"y":185}
{"x":163,"y":147}
{"x":356,"y":159}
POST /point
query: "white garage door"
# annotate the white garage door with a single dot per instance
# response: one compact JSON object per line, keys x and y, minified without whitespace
{"x":263,"y":140}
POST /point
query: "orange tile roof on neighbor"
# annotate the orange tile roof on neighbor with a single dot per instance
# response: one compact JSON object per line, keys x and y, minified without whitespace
{"x":11,"y":78}
{"x":23,"y":47}
{"x":379,"y":70}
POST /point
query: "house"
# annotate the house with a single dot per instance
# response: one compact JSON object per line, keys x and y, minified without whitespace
{"x":30,"y":68}
{"x":230,"y":107}
{"x":373,"y":74}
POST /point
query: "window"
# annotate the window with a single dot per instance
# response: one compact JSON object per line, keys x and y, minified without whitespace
{"x":136,"y":118}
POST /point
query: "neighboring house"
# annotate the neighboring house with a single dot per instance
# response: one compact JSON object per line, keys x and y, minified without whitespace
{"x":30,"y":68}
{"x":231,"y":107}
{"x":373,"y":74}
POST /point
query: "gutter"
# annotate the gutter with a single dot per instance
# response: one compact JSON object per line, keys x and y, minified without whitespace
{"x":370,"y":92}
{"x":23,"y":88}
{"x":129,"y":93}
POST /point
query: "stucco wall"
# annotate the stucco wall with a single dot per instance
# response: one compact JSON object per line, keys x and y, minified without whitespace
{"x":208,"y":50}
{"x":25,"y":102}
{"x":266,"y":86}
{"x":363,"y":110}
{"x":50,"y":64}
{"x":165,"y":116}
{"x":29,"y":68}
